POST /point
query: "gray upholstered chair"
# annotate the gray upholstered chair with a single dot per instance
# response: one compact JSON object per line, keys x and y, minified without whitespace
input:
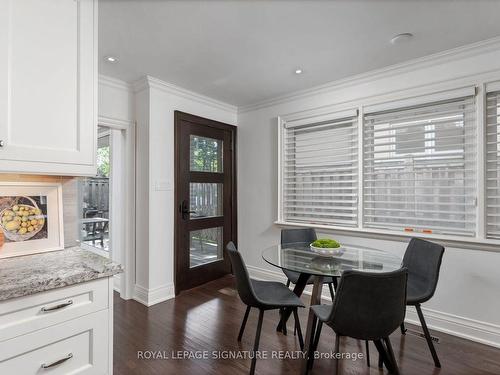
{"x":423,"y":260}
{"x":289,"y":236}
{"x":262,"y":295}
{"x":367,"y":306}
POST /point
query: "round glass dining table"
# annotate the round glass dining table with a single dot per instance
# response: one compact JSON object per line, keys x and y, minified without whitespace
{"x":300,"y":258}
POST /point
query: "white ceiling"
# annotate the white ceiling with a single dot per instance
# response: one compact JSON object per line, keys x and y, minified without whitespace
{"x":242,"y":52}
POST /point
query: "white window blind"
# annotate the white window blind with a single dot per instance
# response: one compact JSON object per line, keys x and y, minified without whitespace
{"x":493,"y":165}
{"x":420,"y":168}
{"x":320,"y":172}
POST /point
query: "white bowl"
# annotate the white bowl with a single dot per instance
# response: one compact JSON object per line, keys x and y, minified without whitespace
{"x":327,"y":251}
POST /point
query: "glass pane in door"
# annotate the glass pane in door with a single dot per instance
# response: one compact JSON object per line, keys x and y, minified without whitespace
{"x":205,"y":246}
{"x":205,"y":154}
{"x":205,"y":200}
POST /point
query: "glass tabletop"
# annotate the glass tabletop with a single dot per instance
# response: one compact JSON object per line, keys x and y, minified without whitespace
{"x":299,"y":257}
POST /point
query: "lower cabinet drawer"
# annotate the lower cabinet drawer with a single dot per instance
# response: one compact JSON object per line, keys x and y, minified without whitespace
{"x":20,"y":316}
{"x":78,"y":346}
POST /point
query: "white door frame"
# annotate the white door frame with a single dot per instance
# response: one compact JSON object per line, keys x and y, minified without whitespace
{"x":122,"y":200}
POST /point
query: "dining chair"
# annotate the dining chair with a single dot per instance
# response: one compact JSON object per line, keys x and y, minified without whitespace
{"x":262,"y":295}
{"x":367,"y":306}
{"x":308,"y":235}
{"x":423,"y":261}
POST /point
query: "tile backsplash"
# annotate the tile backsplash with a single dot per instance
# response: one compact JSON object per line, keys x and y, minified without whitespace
{"x":70,"y":201}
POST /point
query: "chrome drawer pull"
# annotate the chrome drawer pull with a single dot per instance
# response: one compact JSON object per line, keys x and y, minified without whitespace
{"x":58,"y":362}
{"x":57,"y":307}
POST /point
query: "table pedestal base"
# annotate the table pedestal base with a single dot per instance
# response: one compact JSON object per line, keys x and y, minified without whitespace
{"x":311,"y":323}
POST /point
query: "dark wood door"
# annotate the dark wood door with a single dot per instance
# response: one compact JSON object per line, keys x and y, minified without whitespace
{"x":205,"y":191}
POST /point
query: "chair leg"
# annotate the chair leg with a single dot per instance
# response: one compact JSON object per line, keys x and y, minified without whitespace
{"x":403,"y":328}
{"x":332,"y":293}
{"x":256,"y":343}
{"x":367,"y":344}
{"x":310,"y":352}
{"x":298,"y":329}
{"x":318,"y":334}
{"x":244,"y":323}
{"x":392,"y":358}
{"x":282,"y":324}
{"x":337,"y":349}
{"x":334,"y":283}
{"x":428,"y":336}
{"x":382,"y":355}
{"x":283,"y":310}
{"x":314,"y":346}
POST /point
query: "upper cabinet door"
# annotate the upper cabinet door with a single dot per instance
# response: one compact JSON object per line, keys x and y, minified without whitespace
{"x":48,"y":86}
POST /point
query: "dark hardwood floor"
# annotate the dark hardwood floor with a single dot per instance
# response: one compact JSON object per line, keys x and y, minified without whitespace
{"x":208,"y":319}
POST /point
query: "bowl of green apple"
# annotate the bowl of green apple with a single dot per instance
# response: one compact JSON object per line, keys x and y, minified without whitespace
{"x":326,"y":247}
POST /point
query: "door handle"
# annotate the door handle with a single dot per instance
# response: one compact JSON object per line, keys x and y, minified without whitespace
{"x":185,"y":210}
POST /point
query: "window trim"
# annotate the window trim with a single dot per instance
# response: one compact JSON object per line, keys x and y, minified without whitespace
{"x":482,"y":84}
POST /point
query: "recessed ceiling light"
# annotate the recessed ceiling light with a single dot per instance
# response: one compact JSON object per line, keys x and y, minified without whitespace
{"x":401,"y":38}
{"x":111,"y":59}
{"x":298,"y":71}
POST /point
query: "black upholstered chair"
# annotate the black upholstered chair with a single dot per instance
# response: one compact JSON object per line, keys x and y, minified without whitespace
{"x":262,"y":295}
{"x":423,"y":260}
{"x":367,"y":306}
{"x":289,"y":236}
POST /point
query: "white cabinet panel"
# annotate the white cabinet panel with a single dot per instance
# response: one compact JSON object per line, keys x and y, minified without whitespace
{"x":78,"y":346}
{"x":48,"y":84}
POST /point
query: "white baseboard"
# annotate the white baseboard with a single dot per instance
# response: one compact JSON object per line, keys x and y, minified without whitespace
{"x":150,"y":297}
{"x":470,"y":329}
{"x":117,"y":283}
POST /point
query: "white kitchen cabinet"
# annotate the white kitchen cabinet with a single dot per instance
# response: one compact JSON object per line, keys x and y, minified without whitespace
{"x":73,"y":347}
{"x":48,"y":86}
{"x":61,"y":331}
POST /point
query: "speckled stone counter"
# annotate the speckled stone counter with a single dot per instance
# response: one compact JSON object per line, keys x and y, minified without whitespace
{"x":30,"y":274}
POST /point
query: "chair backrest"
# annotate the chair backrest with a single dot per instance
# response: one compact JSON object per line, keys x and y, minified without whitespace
{"x":297,"y":235}
{"x":369,"y":306}
{"x":423,"y":260}
{"x":243,"y":283}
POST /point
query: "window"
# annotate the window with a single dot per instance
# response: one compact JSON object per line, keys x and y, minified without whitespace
{"x":493,"y":165}
{"x":423,"y":165}
{"x":420,"y":168}
{"x":320,"y":171}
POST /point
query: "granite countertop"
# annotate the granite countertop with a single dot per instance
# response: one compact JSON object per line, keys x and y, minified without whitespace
{"x":30,"y":274}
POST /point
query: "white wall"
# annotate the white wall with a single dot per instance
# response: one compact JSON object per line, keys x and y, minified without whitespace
{"x":116,"y":109}
{"x":116,"y":100}
{"x":156,"y":103}
{"x":467,"y":300}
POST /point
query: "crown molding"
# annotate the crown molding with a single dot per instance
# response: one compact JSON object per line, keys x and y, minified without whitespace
{"x":414,"y":64}
{"x":152,"y":82}
{"x":114,"y":123}
{"x":114,"y":83}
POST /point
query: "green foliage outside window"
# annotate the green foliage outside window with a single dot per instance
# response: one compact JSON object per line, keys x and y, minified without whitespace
{"x":103,"y":161}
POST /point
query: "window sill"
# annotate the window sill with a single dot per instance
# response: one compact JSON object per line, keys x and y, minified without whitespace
{"x":445,"y":240}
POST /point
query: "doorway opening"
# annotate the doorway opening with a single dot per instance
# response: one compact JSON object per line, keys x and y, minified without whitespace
{"x":95,"y":200}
